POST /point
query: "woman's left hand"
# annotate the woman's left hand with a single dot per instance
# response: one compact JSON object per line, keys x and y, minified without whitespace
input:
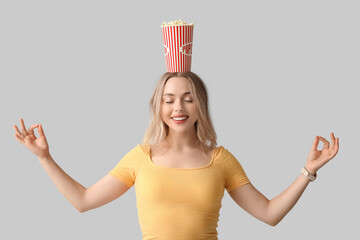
{"x":317,"y":159}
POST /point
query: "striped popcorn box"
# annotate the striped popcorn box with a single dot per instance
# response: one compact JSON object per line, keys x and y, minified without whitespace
{"x":178,"y":41}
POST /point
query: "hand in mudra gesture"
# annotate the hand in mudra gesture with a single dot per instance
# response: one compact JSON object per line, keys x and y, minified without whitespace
{"x":316,"y":158}
{"x":37,"y":145}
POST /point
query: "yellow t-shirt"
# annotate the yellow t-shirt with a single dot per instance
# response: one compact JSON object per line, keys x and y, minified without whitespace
{"x":179,"y":204}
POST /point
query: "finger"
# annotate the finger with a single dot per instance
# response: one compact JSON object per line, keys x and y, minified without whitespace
{"x":337,"y":144}
{"x":31,"y":129}
{"x":41,"y":131}
{"x":23,"y":129}
{"x":19,"y":138}
{"x":333,"y":153}
{"x":315,"y":144}
{"x":326,"y":143}
{"x":332,"y":140}
{"x":17,"y":130}
{"x":18,"y":134}
{"x":336,"y":148}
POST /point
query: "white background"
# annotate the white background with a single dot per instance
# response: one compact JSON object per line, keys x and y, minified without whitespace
{"x":278,"y":73}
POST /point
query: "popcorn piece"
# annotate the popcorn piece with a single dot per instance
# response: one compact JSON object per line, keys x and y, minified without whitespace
{"x":176,"y":23}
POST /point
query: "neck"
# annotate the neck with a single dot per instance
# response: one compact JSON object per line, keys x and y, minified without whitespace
{"x":182,"y":141}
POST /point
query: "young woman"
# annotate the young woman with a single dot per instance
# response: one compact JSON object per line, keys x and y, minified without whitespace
{"x":178,"y":172}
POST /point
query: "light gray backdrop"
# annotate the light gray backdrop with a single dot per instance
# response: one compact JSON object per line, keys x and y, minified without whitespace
{"x":278,"y":74}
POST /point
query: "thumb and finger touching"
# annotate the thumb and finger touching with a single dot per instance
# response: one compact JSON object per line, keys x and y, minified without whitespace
{"x":316,"y":143}
{"x":20,"y":135}
{"x":31,"y":129}
{"x":326,"y":143}
{"x":328,"y":151}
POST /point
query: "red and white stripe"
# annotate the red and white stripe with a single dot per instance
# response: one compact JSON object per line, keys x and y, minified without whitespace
{"x":175,"y":37}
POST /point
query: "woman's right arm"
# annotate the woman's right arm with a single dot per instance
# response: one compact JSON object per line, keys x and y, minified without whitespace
{"x":83,"y":199}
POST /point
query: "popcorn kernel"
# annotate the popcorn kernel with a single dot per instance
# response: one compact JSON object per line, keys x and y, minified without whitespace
{"x":176,"y":23}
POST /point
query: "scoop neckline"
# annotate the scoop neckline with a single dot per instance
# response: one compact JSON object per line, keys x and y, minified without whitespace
{"x":215,"y":150}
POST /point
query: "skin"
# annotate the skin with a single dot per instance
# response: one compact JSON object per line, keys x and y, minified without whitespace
{"x":274,"y":210}
{"x":181,"y":139}
{"x":83,"y":199}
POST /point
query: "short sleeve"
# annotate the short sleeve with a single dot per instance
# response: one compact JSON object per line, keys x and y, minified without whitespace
{"x":126,"y":168}
{"x":235,"y":175}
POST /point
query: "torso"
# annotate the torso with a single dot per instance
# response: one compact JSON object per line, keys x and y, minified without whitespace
{"x":168,"y":158}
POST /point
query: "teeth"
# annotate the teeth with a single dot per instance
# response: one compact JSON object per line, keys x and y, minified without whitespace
{"x":180,"y":118}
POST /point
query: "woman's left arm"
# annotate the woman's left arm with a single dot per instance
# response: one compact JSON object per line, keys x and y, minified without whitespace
{"x":272,"y":211}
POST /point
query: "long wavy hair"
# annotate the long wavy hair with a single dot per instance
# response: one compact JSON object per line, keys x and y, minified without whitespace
{"x":157,"y":130}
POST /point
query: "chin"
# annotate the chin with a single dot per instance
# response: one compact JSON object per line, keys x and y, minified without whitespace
{"x":182,"y":128}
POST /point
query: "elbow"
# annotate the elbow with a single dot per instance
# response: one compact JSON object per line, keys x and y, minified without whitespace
{"x":273,"y":222}
{"x":81,"y":210}
{"x":81,"y":206}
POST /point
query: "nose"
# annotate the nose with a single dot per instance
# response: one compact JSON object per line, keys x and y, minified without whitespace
{"x":178,"y":106}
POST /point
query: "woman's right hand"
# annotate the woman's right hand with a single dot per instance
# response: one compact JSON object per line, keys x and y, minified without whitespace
{"x":37,"y":145}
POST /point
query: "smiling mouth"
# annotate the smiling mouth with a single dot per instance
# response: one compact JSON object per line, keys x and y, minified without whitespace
{"x":180,"y":119}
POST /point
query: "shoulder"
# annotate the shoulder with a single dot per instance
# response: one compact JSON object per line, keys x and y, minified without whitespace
{"x":222,"y":152}
{"x":227,"y":157}
{"x":134,"y":155}
{"x":142,"y":149}
{"x":149,"y":149}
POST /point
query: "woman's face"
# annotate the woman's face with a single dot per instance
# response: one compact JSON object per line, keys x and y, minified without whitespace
{"x":177,"y":100}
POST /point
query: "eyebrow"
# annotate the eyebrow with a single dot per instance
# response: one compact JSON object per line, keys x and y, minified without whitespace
{"x":170,"y":94}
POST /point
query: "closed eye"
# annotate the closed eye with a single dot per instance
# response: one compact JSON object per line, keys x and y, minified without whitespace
{"x":185,"y":101}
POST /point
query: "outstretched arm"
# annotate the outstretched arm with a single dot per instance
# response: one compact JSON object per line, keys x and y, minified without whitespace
{"x":83,"y":199}
{"x":104,"y":191}
{"x":274,"y":210}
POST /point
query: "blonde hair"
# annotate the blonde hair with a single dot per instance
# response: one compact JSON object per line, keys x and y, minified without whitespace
{"x":157,"y":130}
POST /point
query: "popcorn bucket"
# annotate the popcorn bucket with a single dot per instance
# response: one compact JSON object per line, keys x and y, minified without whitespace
{"x":178,"y":41}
